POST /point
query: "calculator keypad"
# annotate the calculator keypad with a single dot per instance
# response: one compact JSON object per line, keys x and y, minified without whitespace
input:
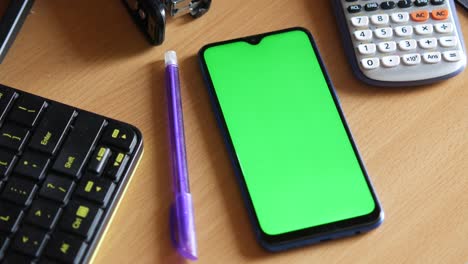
{"x":391,"y":37}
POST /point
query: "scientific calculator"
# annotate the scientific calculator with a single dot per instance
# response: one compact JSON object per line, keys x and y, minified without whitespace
{"x":399,"y":43}
{"x":63,"y":172}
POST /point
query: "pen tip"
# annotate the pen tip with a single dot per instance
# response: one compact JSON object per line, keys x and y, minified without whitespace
{"x":170,"y":58}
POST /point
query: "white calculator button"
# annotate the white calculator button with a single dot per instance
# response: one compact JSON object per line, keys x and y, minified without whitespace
{"x":409,"y":44}
{"x":391,"y":61}
{"x":444,"y":27}
{"x":363,"y":34}
{"x":381,"y":19}
{"x":424,"y":29}
{"x":383,"y":33}
{"x":366,"y":49}
{"x":432,"y":57}
{"x":412,"y":59}
{"x":428,"y":43}
{"x":370,"y":63}
{"x":361,"y":21}
{"x":389,"y":46}
{"x":404,"y":31}
{"x":400,"y":17}
{"x":452,"y":56}
{"x":447,"y":42}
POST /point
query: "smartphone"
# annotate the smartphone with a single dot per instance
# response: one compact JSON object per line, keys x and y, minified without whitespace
{"x":298,"y":168}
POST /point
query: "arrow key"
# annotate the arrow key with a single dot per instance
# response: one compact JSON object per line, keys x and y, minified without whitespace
{"x":120,"y":136}
{"x":43,"y":214}
{"x":96,"y":189}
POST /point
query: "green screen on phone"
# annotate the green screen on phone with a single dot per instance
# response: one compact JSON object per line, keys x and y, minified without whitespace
{"x":294,"y":152}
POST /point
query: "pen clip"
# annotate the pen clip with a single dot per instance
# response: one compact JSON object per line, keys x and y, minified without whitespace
{"x":182,"y":226}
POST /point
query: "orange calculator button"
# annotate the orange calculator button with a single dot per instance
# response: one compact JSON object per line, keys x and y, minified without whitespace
{"x":440,"y":14}
{"x":420,"y":16}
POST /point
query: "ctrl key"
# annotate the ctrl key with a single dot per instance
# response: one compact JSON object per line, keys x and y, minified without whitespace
{"x":66,"y":248}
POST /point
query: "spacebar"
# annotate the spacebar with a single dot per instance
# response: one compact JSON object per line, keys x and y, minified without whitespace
{"x":78,"y":146}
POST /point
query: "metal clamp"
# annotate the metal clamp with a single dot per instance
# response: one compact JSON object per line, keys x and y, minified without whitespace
{"x":196,"y":8}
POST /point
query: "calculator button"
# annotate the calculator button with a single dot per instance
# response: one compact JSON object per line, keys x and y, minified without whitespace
{"x":387,"y":5}
{"x":428,"y":43}
{"x":412,"y":59}
{"x":363,"y":34}
{"x":389,"y":46}
{"x":354,"y":8}
{"x":452,"y":56}
{"x":444,"y":27}
{"x":371,"y":6}
{"x":361,"y":21}
{"x":440,"y":14}
{"x":404,"y":3}
{"x":424,"y":29}
{"x":391,"y":61}
{"x":409,"y":44}
{"x":370,"y":63}
{"x":447,"y":42}
{"x":432,"y":57}
{"x":421,"y":2}
{"x":437,"y":2}
{"x":404,"y":31}
{"x":366,"y":49}
{"x":420,"y":16}
{"x":381,"y":19}
{"x":400,"y":17}
{"x":384,"y":33}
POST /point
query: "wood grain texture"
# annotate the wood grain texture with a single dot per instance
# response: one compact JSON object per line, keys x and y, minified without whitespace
{"x":414,"y":141}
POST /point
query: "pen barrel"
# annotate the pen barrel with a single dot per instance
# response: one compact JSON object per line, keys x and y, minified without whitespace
{"x":176,"y":130}
{"x":187,"y":244}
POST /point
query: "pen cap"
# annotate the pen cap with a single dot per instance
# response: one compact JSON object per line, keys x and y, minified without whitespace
{"x":170,"y":58}
{"x":183,"y":226}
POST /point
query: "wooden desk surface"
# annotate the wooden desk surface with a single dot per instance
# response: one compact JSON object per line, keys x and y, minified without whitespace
{"x":414,"y":141}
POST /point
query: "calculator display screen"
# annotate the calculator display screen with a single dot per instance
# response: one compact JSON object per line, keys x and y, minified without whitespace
{"x":295,"y":154}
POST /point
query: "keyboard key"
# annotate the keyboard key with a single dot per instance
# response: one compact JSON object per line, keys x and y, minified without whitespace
{"x":119,"y":136}
{"x":79,"y":144}
{"x":10,"y":217}
{"x":7,"y":160}
{"x":96,"y":189}
{"x":406,"y":45}
{"x":32,"y":165}
{"x":421,"y":2}
{"x":50,"y":132}
{"x":444,"y":28}
{"x":367,"y":49}
{"x":371,"y":6}
{"x":428,"y":43}
{"x":452,"y":56}
{"x":99,"y":160}
{"x":402,"y":17}
{"x":14,"y":258}
{"x":370,"y":63}
{"x":13,"y":137}
{"x":361,"y":21}
{"x":420,"y":15}
{"x":19,"y":191}
{"x":424,"y":29}
{"x":7,"y":97}
{"x":412,"y":59}
{"x":354,"y":9}
{"x":432,"y":57}
{"x":81,"y":219}
{"x":387,"y":5}
{"x":389,"y":46}
{"x":43,"y":214}
{"x":4,"y":241}
{"x":391,"y":61}
{"x":66,"y":248}
{"x":383,"y":33}
{"x":404,"y":31}
{"x":381,"y":19}
{"x":27,"y":110}
{"x":404,"y":3}
{"x":30,"y":241}
{"x":57,"y":188}
{"x":448,"y":42}
{"x":117,"y":166}
{"x":363,"y":35}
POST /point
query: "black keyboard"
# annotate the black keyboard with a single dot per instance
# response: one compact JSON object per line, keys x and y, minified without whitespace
{"x":62,"y":173}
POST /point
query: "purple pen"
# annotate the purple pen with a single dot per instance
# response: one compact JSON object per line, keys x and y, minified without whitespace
{"x":182,"y":220}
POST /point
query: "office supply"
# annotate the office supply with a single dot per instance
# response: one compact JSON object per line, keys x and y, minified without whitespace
{"x":11,"y":22}
{"x":63,"y":172}
{"x":298,"y":167}
{"x":463,"y":3}
{"x":400,"y":43}
{"x":182,"y":220}
{"x":150,"y":15}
